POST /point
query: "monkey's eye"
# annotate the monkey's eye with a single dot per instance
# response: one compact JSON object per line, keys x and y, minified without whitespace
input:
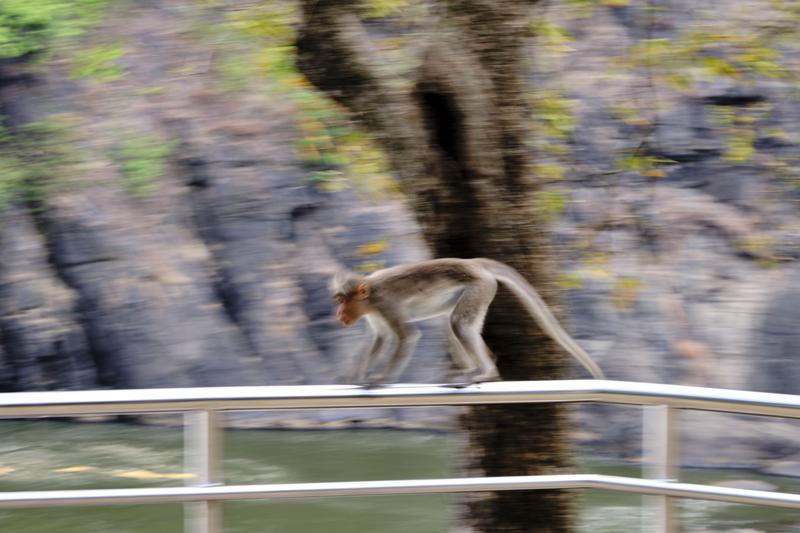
{"x":339,"y":298}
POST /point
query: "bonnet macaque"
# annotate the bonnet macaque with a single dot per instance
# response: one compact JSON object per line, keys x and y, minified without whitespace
{"x":393,"y":298}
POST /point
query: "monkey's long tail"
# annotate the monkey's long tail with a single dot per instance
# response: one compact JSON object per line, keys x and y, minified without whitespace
{"x":539,"y":310}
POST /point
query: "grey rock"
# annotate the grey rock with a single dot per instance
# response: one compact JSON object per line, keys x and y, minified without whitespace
{"x":44,"y":346}
{"x":790,"y":468}
{"x":779,"y":340}
{"x":145,"y":299}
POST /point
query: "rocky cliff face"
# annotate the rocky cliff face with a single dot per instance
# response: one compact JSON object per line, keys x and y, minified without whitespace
{"x":214,"y":270}
{"x":684,"y":272}
{"x":214,"y":273}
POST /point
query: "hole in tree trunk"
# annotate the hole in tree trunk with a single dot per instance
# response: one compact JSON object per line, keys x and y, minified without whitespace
{"x":456,"y":206}
{"x":444,"y":123}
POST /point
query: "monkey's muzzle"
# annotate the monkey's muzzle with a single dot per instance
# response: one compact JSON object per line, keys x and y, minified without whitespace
{"x":344,"y":319}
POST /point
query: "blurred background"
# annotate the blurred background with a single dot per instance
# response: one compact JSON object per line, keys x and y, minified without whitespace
{"x":174,"y":195}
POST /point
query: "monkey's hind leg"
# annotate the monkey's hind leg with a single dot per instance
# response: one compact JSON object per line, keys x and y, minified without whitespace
{"x":466,"y":323}
{"x":466,"y":370}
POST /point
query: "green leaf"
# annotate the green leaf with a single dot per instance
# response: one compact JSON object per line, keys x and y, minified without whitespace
{"x":385,"y":8}
{"x":548,"y":171}
{"x":721,"y":67}
{"x":99,"y":63}
{"x":373,"y":248}
{"x":551,"y":203}
{"x":30,"y":26}
{"x":141,"y":160}
{"x":570,"y":281}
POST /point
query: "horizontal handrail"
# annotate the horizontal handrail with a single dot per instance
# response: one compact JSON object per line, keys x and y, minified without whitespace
{"x":205,"y":444}
{"x":276,"y":491}
{"x":99,"y":402}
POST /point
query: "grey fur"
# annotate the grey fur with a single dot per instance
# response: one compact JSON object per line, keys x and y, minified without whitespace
{"x":460,"y":288}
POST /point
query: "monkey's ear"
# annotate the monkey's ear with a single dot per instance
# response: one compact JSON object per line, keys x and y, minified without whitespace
{"x":362,"y":291}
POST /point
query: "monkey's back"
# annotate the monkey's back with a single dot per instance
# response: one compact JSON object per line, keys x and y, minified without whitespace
{"x":414,"y":284}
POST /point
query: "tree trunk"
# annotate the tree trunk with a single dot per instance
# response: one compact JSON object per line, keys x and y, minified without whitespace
{"x":457,"y":140}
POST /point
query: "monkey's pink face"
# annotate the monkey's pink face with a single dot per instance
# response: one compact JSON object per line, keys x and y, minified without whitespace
{"x":349,"y":310}
{"x":352,"y":305}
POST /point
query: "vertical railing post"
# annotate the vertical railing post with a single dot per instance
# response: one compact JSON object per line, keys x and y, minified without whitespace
{"x":661,"y":460}
{"x":203,"y":460}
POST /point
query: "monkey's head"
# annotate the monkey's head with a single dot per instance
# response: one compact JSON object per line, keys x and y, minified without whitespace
{"x":350,"y":292}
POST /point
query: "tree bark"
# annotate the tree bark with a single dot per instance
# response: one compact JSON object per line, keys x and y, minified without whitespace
{"x":457,"y":141}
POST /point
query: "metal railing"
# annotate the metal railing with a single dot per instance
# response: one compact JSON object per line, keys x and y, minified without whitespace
{"x":203,"y":408}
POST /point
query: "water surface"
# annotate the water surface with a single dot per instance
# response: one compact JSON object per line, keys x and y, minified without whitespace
{"x":50,"y":455}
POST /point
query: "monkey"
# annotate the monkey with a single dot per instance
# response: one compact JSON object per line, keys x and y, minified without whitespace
{"x":391,"y":299}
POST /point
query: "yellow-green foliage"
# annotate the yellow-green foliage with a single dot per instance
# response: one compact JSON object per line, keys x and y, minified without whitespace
{"x":141,"y":160}
{"x":712,"y":48}
{"x":373,"y":248}
{"x":553,"y":121}
{"x":35,"y":157}
{"x":740,"y":148}
{"x":553,"y":114}
{"x":336,"y":154}
{"x":741,"y":127}
{"x":29,"y":26}
{"x":551,"y":37}
{"x":12,"y":175}
{"x":734,"y":46}
{"x":234,"y":71}
{"x":370,"y":266}
{"x":99,"y":63}
{"x":551,"y":202}
{"x":569,"y":281}
{"x":626,"y":292}
{"x":761,"y":247}
{"x":386,"y":8}
{"x":646,"y":165}
{"x":548,"y":171}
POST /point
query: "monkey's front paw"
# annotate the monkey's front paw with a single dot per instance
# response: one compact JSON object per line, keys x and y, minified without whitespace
{"x":372,"y":382}
{"x":459,"y":381}
{"x":488,"y":378}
